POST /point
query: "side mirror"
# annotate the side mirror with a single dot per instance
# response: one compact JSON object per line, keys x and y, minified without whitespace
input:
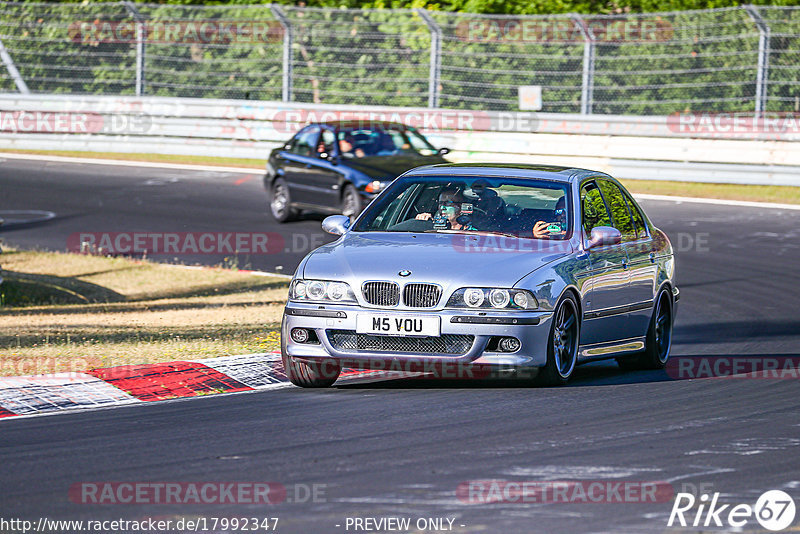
{"x":327,"y":156}
{"x":443,"y":151}
{"x":287,"y":146}
{"x":604,"y":235}
{"x":336,"y":224}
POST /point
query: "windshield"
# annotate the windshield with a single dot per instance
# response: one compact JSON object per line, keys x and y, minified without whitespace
{"x":516,"y":207}
{"x":382,"y":141}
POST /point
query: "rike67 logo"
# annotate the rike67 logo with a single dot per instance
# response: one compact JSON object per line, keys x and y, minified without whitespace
{"x":774,"y":510}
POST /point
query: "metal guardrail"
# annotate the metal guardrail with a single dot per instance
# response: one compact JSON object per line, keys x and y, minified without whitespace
{"x":629,"y":147}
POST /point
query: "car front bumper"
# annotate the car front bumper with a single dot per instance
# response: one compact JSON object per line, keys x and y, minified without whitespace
{"x":531,"y":328}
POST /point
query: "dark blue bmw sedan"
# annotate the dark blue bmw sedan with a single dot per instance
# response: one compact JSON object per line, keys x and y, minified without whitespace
{"x":340,"y":166}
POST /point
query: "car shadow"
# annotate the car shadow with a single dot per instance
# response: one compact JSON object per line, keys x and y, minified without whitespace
{"x":590,"y":374}
{"x":11,"y":225}
{"x":608,"y":373}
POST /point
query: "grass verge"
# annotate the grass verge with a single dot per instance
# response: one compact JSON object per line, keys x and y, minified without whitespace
{"x":782,"y":194}
{"x":72,"y":312}
{"x":752,"y":193}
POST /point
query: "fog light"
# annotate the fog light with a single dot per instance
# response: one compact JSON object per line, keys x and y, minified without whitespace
{"x":299,"y":335}
{"x":509,"y":344}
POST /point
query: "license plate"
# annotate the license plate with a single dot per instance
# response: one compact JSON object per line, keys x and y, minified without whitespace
{"x":397,"y":325}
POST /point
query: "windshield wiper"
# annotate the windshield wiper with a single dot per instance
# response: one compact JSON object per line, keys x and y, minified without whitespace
{"x":470,"y":232}
{"x":504,"y":234}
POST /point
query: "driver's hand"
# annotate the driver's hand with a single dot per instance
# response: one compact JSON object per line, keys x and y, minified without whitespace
{"x":423,"y":217}
{"x":540,"y":230}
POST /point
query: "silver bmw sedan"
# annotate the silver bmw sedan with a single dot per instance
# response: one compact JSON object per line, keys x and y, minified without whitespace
{"x":458,"y":267}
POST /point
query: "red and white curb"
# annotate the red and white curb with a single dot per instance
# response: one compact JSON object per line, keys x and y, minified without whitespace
{"x":131,"y":384}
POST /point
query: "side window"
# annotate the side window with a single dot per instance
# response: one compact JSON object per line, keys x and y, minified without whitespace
{"x":593,"y":208}
{"x":304,"y":143}
{"x":638,"y":218}
{"x":619,"y":210}
{"x":327,"y":141}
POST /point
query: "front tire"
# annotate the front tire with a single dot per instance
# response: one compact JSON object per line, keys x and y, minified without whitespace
{"x":562,"y":345}
{"x":352,"y":204}
{"x":280,"y":202}
{"x":310,"y":374}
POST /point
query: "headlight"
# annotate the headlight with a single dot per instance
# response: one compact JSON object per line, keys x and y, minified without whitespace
{"x":321,"y":291}
{"x":499,"y":298}
{"x":493,"y":298}
{"x":375,"y":186}
{"x":473,"y":297}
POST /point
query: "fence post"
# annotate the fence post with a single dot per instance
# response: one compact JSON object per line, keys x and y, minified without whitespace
{"x":587,"y":81}
{"x":140,"y":39}
{"x":22,"y":87}
{"x":763,"y":58}
{"x":436,"y":58}
{"x":286,"y":92}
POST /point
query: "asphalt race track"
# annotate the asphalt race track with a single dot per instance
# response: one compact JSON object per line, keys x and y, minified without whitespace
{"x":111,"y":199}
{"x":401,"y":448}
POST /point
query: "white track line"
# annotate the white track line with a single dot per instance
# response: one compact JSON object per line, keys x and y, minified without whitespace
{"x":721,"y":202}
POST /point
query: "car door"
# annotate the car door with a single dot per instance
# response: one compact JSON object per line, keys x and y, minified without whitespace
{"x":643,"y":269}
{"x":297,"y":164}
{"x":323,"y":178}
{"x":606,"y":303}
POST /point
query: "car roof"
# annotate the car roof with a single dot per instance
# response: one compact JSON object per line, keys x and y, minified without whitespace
{"x":510,"y":170}
{"x":356,"y":123}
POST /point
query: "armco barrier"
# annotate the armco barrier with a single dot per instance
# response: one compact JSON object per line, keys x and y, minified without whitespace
{"x":625,"y":146}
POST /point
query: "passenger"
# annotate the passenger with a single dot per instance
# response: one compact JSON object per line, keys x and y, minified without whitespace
{"x":544,"y":229}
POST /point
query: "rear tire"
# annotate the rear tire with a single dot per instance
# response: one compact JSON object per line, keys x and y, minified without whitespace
{"x":562,"y":345}
{"x":280,"y":202}
{"x":659,"y":338}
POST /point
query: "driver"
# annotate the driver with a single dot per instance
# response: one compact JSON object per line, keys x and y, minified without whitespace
{"x":449,"y":211}
{"x":555,"y":229}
